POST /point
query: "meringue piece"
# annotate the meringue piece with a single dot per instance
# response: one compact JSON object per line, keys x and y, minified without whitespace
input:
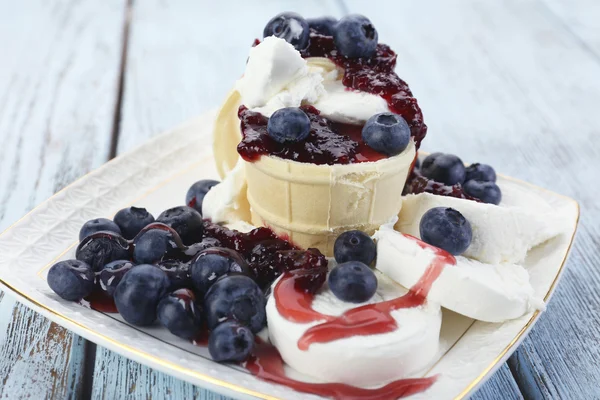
{"x":361,"y":360}
{"x":500,"y":234}
{"x":486,"y":292}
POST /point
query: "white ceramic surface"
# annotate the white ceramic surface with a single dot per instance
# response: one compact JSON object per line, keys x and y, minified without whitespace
{"x":156,"y":176}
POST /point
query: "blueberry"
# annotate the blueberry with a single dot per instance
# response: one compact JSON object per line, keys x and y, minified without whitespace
{"x":139,"y":292}
{"x":230,"y":341}
{"x":131,"y":221}
{"x":480,"y":172}
{"x":289,"y":26}
{"x":235,"y":297}
{"x":211,"y":264}
{"x":186,"y":221}
{"x":488,"y":192}
{"x":206,"y":243}
{"x":100,"y":248}
{"x":353,"y":282}
{"x":178,"y":272}
{"x":354,"y":246}
{"x":288,"y":125}
{"x":355,"y":36}
{"x":323,"y":25}
{"x":445,"y":168}
{"x":180,"y":314}
{"x":111,"y":275}
{"x":386,"y":133}
{"x":196,"y":192}
{"x":153,"y":246}
{"x":447,"y":229}
{"x":97,"y":225}
{"x":71,"y":279}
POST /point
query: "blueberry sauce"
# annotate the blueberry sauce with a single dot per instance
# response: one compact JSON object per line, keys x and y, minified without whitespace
{"x":417,"y":183}
{"x":328,"y":142}
{"x":374,"y":75}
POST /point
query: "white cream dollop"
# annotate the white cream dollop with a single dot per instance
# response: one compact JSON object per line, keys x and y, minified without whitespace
{"x":361,"y":360}
{"x":226,"y":201}
{"x":486,"y":292}
{"x":277,"y":77}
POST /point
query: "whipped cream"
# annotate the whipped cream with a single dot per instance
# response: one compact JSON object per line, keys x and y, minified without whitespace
{"x":226,"y":201}
{"x":486,"y":292}
{"x":501,"y":234}
{"x":361,"y":360}
{"x":277,"y":76}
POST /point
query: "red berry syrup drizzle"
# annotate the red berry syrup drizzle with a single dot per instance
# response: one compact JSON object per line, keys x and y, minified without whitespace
{"x":267,"y":364}
{"x":328,"y":142}
{"x":374,"y":75}
{"x":369,"y":319}
{"x":100,"y":301}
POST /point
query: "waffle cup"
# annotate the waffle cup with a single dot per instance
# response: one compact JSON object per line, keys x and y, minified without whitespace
{"x":309,"y":204}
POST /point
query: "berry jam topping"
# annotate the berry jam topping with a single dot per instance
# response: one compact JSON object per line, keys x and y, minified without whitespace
{"x":417,"y":183}
{"x":269,"y":256}
{"x":373,"y":75}
{"x":328,"y":143}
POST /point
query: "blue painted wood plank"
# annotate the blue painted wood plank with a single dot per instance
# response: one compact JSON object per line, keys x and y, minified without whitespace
{"x":501,"y":385}
{"x":58,"y":83}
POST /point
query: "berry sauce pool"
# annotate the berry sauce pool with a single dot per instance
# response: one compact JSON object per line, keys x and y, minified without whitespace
{"x":333,"y":143}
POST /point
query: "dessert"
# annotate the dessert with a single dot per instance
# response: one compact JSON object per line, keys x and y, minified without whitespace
{"x":317,"y":147}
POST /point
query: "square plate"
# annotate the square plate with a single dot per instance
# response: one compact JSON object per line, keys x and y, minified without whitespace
{"x":156,"y":176}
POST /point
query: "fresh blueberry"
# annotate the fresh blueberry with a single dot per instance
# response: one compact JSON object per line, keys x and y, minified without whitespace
{"x":386,"y":133}
{"x":480,"y":172}
{"x":353,"y":282}
{"x":178,"y":272}
{"x":354,"y":246}
{"x":445,"y":168}
{"x":447,"y":229}
{"x":154,"y":245}
{"x":131,"y":221}
{"x":180,"y":314}
{"x":289,"y":125}
{"x":139,"y":292}
{"x":71,"y":279}
{"x":488,"y":192}
{"x":97,"y":225}
{"x":111,"y":275}
{"x":196,"y":192}
{"x":355,"y":36}
{"x":230,"y":341}
{"x":186,"y":221}
{"x":100,"y":248}
{"x":196,"y":248}
{"x":235,"y":297}
{"x":209,"y":265}
{"x":289,"y":26}
{"x":323,"y":25}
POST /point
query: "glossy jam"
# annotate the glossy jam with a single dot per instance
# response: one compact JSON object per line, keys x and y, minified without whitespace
{"x":417,"y":183}
{"x":100,"y":301}
{"x":267,"y":364}
{"x":370,"y":319}
{"x":328,"y":143}
{"x":374,"y":75}
{"x":269,"y":256}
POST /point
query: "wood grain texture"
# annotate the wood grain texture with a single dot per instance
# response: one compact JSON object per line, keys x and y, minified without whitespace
{"x":504,"y":83}
{"x":57,"y":96}
{"x":501,"y":385}
{"x":579,"y":19}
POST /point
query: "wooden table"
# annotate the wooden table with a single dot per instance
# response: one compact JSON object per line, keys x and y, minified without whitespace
{"x":513,"y":83}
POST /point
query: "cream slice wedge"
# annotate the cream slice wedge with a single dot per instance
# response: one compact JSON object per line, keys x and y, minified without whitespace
{"x":307,"y":203}
{"x":486,"y":292}
{"x":501,"y":234}
{"x":361,"y":360}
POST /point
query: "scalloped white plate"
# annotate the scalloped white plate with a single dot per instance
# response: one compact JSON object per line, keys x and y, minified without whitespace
{"x":156,"y":176}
